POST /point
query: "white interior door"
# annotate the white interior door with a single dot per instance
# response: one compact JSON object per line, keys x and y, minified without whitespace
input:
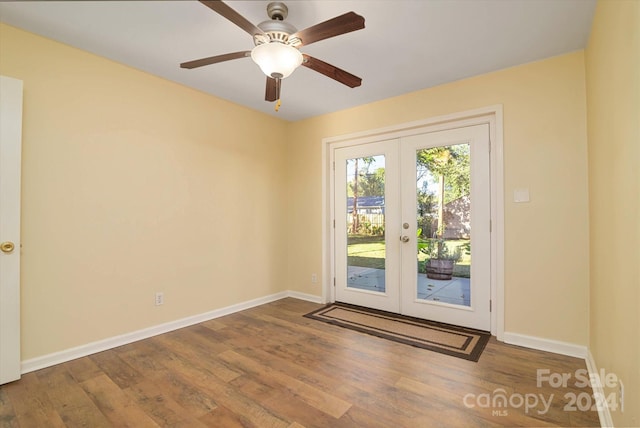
{"x":10,"y":155}
{"x":397,"y":198}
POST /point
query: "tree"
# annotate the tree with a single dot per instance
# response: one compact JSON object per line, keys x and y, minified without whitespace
{"x":372,"y":183}
{"x":425,"y":203}
{"x":449,"y":166}
{"x":356,"y":189}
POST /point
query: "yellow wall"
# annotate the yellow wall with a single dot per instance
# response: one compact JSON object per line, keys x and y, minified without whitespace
{"x":613,"y":95}
{"x":546,"y":248}
{"x":132,"y":185}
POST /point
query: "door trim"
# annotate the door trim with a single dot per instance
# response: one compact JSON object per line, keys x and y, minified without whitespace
{"x":491,"y":115}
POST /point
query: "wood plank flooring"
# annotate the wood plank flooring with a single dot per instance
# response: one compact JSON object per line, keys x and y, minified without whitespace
{"x":271,"y":367}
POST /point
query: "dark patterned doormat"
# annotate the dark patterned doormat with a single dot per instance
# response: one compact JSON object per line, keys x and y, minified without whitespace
{"x":446,"y":339}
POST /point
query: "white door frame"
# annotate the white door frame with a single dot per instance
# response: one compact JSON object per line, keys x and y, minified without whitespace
{"x":10,"y":162}
{"x":491,"y":115}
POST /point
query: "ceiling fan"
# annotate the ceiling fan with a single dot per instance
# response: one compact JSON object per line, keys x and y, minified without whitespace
{"x":277,"y":45}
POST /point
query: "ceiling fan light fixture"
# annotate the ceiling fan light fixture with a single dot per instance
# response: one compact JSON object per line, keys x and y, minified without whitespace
{"x":275,"y":59}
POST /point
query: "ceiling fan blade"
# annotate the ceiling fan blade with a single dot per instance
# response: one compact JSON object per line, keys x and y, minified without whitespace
{"x":214,"y":59}
{"x":342,"y":24}
{"x":233,"y":16}
{"x":272,"y":92}
{"x":331,"y":71}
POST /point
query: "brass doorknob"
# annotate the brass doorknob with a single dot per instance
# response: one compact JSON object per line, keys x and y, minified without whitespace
{"x":7,"y":247}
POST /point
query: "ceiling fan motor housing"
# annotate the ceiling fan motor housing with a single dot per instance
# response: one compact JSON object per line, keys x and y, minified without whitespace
{"x":276,"y":30}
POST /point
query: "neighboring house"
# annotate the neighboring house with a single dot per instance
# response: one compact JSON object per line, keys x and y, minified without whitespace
{"x":371,"y":210}
{"x":457,"y":218}
{"x":367,"y":205}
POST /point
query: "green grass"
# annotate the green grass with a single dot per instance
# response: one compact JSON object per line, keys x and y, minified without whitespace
{"x":366,"y":251}
{"x":369,"y":252}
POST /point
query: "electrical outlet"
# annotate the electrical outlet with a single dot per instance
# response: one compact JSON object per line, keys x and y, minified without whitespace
{"x":159,"y":298}
{"x":314,"y":278}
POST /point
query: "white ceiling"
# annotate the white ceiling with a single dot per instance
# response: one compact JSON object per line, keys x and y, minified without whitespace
{"x":406,"y":45}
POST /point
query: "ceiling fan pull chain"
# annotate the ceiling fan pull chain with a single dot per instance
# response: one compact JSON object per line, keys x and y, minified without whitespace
{"x":277,"y":107}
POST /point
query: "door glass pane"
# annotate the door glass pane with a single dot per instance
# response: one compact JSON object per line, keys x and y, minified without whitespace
{"x":366,"y":248}
{"x":443,"y":185}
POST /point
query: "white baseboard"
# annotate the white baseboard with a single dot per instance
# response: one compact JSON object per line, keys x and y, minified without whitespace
{"x":304,"y":296}
{"x":571,"y":350}
{"x":563,"y":348}
{"x":603,"y":409}
{"x":113,"y":342}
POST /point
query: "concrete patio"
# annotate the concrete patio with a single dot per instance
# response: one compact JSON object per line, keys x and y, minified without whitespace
{"x":455,"y":291}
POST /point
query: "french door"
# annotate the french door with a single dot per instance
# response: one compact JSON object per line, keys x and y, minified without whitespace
{"x":412,"y":225}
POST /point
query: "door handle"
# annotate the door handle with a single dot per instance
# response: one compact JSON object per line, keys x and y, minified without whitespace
{"x":7,"y":247}
{"x":404,"y":238}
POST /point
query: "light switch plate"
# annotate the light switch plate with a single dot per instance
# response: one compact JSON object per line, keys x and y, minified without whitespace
{"x":521,"y":195}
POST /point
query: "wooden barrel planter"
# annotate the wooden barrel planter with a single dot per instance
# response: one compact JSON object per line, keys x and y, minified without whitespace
{"x":439,"y":269}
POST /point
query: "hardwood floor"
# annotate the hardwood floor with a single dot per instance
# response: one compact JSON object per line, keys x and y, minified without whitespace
{"x":271,"y":367}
